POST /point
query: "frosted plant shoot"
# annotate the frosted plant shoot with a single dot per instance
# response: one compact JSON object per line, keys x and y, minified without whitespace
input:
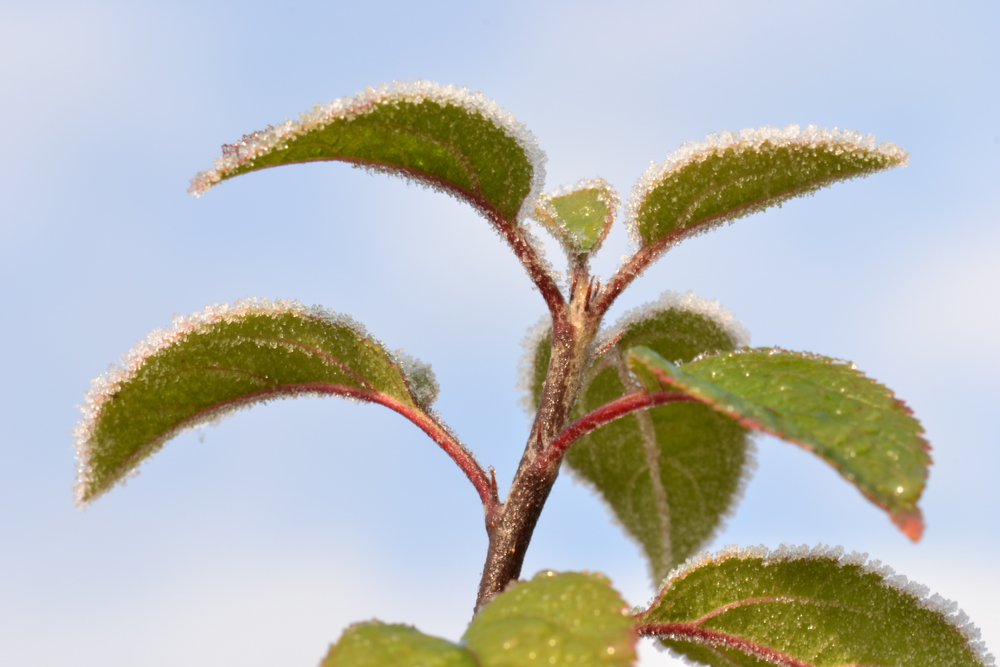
{"x":655,"y":411}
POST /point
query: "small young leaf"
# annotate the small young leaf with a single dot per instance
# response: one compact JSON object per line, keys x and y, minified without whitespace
{"x":214,"y":362}
{"x":825,"y":405}
{"x":376,"y":644}
{"x":446,"y":137}
{"x":554,"y":619}
{"x":735,"y":174}
{"x":579,"y":216}
{"x":802,"y":608}
{"x":669,"y":474}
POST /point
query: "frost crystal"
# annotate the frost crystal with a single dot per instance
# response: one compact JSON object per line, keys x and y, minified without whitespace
{"x":949,"y":610}
{"x":689,"y":302}
{"x":841,"y":141}
{"x":419,"y":376}
{"x":107,"y":385}
{"x":575,"y":240}
{"x":256,"y":144}
{"x":526,"y":365}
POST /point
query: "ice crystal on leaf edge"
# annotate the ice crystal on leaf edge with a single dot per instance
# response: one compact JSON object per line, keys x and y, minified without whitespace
{"x":607,"y":194}
{"x":738,"y":334}
{"x":742,"y":140}
{"x":253,"y":145}
{"x":888,"y":577}
{"x":526,"y":364}
{"x":689,"y":302}
{"x":106,"y":385}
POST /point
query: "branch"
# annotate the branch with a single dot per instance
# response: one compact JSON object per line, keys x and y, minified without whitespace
{"x":646,"y":255}
{"x":528,"y":255}
{"x":630,"y":270}
{"x":607,"y":413}
{"x":451,"y":446}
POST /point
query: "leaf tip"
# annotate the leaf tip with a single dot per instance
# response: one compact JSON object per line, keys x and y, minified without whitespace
{"x":241,"y":155}
{"x":853,"y":154}
{"x":99,"y":437}
{"x":911,"y":522}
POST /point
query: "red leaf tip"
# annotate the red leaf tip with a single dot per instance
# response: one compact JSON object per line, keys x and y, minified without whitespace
{"x":910,"y":522}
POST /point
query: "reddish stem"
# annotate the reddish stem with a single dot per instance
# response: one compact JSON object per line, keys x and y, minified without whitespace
{"x":437,"y":431}
{"x":629,"y":271}
{"x":511,"y":232}
{"x":607,"y":413}
{"x":691,"y":632}
{"x":530,"y":260}
{"x":645,"y":256}
{"x":485,"y":484}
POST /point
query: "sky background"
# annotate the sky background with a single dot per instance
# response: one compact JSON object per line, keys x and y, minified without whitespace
{"x":255,"y":542}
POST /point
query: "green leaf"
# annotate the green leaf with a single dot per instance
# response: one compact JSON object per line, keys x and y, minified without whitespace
{"x":554,"y":619}
{"x":579,"y":216}
{"x":797,"y":608}
{"x":376,"y":644}
{"x":825,"y":405}
{"x":534,"y":366}
{"x":669,"y":474}
{"x":446,"y":137}
{"x":209,"y":364}
{"x":735,"y":174}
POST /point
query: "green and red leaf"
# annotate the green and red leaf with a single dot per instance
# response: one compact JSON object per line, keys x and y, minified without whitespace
{"x":806,"y":608}
{"x":447,"y":137}
{"x":670,"y":473}
{"x":211,"y":363}
{"x":827,"y":406}
{"x":732,"y":175}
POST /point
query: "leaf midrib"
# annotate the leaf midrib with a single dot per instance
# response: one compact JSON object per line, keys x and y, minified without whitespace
{"x":680,"y":231}
{"x":649,"y":444}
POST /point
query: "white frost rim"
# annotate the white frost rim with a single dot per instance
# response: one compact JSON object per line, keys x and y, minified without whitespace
{"x":526,"y":364}
{"x":253,"y":145}
{"x":606,"y":194}
{"x":750,"y":139}
{"x":669,"y":300}
{"x":106,"y":385}
{"x":689,"y":302}
{"x":787,"y":552}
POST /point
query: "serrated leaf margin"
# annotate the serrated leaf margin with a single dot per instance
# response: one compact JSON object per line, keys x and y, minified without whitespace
{"x":256,"y":144}
{"x":738,"y":334}
{"x":689,"y":302}
{"x":544,"y":209}
{"x":106,"y":385}
{"x":911,"y":523}
{"x":785,"y":552}
{"x":748,"y":139}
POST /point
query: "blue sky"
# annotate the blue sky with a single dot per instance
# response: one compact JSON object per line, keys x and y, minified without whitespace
{"x":256,"y":541}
